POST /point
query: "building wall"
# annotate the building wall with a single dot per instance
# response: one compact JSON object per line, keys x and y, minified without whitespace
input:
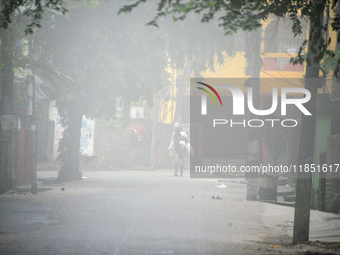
{"x":332,"y":157}
{"x":117,"y":149}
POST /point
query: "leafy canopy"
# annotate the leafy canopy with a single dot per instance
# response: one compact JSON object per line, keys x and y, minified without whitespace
{"x":234,"y":15}
{"x":30,"y":8}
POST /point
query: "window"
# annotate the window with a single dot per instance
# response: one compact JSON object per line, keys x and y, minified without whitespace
{"x":279,"y":38}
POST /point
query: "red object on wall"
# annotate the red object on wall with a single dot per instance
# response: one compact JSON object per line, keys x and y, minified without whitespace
{"x":23,"y":161}
{"x":291,"y":68}
{"x":138,"y":132}
{"x":270,"y":64}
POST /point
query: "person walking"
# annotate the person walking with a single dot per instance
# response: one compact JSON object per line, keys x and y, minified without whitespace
{"x":180,"y":143}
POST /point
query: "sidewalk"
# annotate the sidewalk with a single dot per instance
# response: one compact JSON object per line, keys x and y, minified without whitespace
{"x":324,"y":231}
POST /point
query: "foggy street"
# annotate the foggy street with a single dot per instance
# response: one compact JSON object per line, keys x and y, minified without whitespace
{"x":142,"y":212}
{"x":104,"y":104}
{"x":132,"y":212}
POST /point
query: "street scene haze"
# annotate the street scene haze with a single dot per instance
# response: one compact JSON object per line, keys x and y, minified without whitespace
{"x":169,"y":127}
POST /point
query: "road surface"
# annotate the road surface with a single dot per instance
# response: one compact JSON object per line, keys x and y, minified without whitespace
{"x":133,"y":212}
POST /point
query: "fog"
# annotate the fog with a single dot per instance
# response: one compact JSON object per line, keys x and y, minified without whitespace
{"x":132,"y":133}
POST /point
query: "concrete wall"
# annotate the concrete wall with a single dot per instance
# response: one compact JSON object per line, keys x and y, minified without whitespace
{"x":333,"y":157}
{"x":323,"y":129}
{"x":118,"y":150}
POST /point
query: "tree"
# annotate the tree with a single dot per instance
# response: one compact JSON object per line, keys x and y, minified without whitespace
{"x":234,"y":15}
{"x":308,"y":123}
{"x":6,"y":109}
{"x":32,"y":9}
{"x":107,"y":62}
{"x":12,"y":58}
{"x":14,"y":14}
{"x":194,"y":49}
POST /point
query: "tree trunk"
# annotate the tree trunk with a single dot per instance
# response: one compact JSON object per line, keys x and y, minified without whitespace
{"x":70,"y":169}
{"x":336,"y":89}
{"x":308,"y":123}
{"x":6,"y":142}
{"x":253,"y":69}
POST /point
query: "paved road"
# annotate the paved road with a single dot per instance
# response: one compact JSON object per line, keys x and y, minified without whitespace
{"x":133,"y":212}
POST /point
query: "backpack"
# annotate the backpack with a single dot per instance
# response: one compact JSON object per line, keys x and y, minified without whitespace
{"x":180,"y":143}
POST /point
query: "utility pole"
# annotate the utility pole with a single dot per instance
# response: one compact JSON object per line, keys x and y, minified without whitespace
{"x":153,"y":147}
{"x":31,"y":92}
{"x":308,"y":123}
{"x":254,"y":65}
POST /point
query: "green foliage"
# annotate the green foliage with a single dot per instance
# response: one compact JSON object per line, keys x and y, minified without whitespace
{"x":231,"y":14}
{"x":106,"y":56}
{"x":247,"y":15}
{"x":201,"y":45}
{"x":330,"y":61}
{"x":20,"y":92}
{"x":30,"y":8}
{"x":61,"y":86}
{"x":15,"y":50}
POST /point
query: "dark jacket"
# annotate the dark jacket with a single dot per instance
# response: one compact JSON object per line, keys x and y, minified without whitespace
{"x":180,"y":143}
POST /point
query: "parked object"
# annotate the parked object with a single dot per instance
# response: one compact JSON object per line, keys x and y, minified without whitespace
{"x":268,"y":187}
